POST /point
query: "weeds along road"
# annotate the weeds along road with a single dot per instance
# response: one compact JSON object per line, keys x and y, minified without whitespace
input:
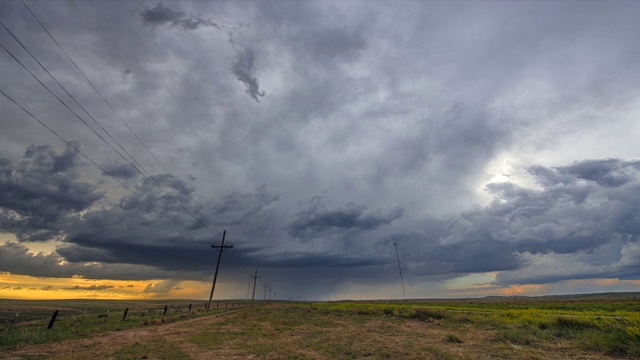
{"x":305,"y":331}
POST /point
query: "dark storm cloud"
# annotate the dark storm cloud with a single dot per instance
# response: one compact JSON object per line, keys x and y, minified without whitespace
{"x":16,"y":259}
{"x":474,"y":255}
{"x":606,"y":173}
{"x":45,"y":159}
{"x":403,"y":108}
{"x":190,"y":256}
{"x":238,"y":207}
{"x":139,"y":234}
{"x":162,"y":15}
{"x":316,"y":222}
{"x":334,"y":38}
{"x":122,"y":171}
{"x":457,"y":139}
{"x":568,"y":216}
{"x":581,"y":223}
{"x":165,"y":191}
{"x":579,"y":208}
{"x":334,"y":43}
{"x":325,"y":260}
{"x":243,"y":69}
{"x":41,"y":192}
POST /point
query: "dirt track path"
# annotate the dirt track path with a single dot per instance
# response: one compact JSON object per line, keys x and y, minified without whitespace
{"x":103,"y":346}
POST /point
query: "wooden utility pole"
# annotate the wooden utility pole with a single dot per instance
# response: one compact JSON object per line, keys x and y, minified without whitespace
{"x":249,"y":285}
{"x":221,"y":248}
{"x":400,"y":269}
{"x":265,"y":291}
{"x":254,"y":277}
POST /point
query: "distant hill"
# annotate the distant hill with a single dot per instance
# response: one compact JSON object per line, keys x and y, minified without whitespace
{"x":607,"y":295}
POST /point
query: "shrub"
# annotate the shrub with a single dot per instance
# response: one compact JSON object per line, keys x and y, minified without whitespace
{"x":453,"y":339}
{"x":633,"y":332}
{"x":517,"y":336}
{"x":575,"y":323}
{"x":465,"y":319}
{"x":425,"y":314}
{"x":615,"y":343}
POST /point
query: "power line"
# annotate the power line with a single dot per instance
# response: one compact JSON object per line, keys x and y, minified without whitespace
{"x":139,"y":168}
{"x":147,"y":176}
{"x":108,"y":103}
{"x":234,"y":259}
{"x":70,"y":144}
{"x":179,"y":183}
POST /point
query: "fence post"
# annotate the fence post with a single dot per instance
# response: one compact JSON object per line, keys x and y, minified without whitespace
{"x":165,"y":310}
{"x":13,"y":322}
{"x":82,"y":319}
{"x":53,"y":319}
{"x":125,"y":314}
{"x":189,"y":307}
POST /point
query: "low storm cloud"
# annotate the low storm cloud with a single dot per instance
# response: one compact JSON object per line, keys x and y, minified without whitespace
{"x":163,"y":15}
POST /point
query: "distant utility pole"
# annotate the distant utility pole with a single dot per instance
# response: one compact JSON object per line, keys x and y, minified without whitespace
{"x":249,"y":285}
{"x":400,"y":269}
{"x":265,"y":291}
{"x":269,"y":292}
{"x":254,"y":277}
{"x":221,"y":248}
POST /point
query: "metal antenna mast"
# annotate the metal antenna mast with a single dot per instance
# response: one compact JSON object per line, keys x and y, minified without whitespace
{"x":400,"y":269}
{"x":221,"y":248}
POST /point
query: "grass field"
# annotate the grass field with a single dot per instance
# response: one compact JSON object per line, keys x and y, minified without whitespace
{"x":84,"y":318}
{"x":453,"y":329}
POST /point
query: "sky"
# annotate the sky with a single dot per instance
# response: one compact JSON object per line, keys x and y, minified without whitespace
{"x":494,"y":144}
